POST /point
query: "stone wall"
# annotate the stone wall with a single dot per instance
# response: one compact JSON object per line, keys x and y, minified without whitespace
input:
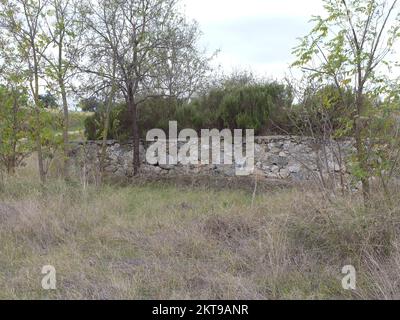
{"x":276,"y":157}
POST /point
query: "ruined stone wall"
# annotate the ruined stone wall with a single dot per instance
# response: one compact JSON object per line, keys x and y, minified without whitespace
{"x":276,"y":157}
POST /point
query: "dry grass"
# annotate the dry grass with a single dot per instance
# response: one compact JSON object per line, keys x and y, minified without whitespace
{"x":164,"y":242}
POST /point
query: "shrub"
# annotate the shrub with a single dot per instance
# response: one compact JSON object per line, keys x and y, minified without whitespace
{"x":233,"y":105}
{"x":250,"y":106}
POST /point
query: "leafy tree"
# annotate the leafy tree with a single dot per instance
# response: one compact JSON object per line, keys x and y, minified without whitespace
{"x":90,"y":104}
{"x":63,"y":31}
{"x":15,"y":142}
{"x":21,"y":22}
{"x":352,"y":46}
{"x":49,"y":101}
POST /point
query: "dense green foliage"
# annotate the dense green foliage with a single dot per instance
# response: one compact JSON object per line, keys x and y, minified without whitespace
{"x":17,"y":133}
{"x":14,"y":132}
{"x":49,"y":101}
{"x":266,"y":107}
{"x":234,"y":106}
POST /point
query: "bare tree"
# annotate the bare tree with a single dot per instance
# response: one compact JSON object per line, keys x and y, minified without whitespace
{"x":154,"y":48}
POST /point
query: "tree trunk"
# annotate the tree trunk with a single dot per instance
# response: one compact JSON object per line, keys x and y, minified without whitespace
{"x":65,"y":131}
{"x":135,"y":132}
{"x":39,"y":151}
{"x":104,"y":142}
{"x":38,"y":133}
{"x":107,"y":121}
{"x":13,"y":160}
{"x":362,"y":156}
{"x":61,"y":83}
{"x":363,"y":162}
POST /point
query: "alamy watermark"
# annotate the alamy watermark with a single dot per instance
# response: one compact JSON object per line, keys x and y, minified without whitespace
{"x":187,"y":148}
{"x":49,"y":281}
{"x":349,"y":282}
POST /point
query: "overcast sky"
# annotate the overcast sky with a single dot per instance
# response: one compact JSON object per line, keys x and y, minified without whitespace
{"x":253,"y":34}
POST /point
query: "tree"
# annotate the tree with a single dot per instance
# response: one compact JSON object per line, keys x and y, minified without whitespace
{"x":49,"y":101}
{"x":350,"y":48}
{"x":21,"y":21}
{"x":62,"y":30}
{"x":154,"y":48}
{"x":15,"y":143}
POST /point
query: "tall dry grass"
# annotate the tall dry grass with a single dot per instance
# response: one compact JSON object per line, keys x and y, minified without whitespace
{"x":163,"y":242}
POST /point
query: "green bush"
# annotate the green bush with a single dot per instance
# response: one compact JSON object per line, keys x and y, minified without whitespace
{"x":251,"y":106}
{"x":233,"y":105}
{"x":92,"y":127}
{"x":324,"y":110}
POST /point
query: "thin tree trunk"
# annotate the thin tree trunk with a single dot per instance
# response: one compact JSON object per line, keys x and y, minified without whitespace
{"x":105,"y":136}
{"x":13,"y":159}
{"x":340,"y":162}
{"x":136,"y":142}
{"x":39,"y":151}
{"x":107,"y":121}
{"x":360,"y":147}
{"x":60,"y":75}
{"x":361,"y":157}
{"x":65,"y":131}
{"x":105,"y":133}
{"x":135,"y":132}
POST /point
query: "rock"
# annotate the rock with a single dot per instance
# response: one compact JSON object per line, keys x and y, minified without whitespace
{"x":258,"y":173}
{"x":294,"y":168}
{"x":278,"y":160}
{"x":286,"y":146}
{"x":275,"y":169}
{"x":270,"y":175}
{"x":120,"y":172}
{"x":166,"y":166}
{"x":113,"y":155}
{"x":301,"y":176}
{"x":284,"y":173}
{"x":157,"y":169}
{"x":110,"y":168}
{"x":226,"y":170}
{"x":337,"y":168}
{"x":276,"y":157}
{"x":274,"y":150}
{"x":258,"y":149}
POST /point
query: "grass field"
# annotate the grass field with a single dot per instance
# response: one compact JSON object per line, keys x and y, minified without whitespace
{"x":169,"y":242}
{"x":76,"y":124}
